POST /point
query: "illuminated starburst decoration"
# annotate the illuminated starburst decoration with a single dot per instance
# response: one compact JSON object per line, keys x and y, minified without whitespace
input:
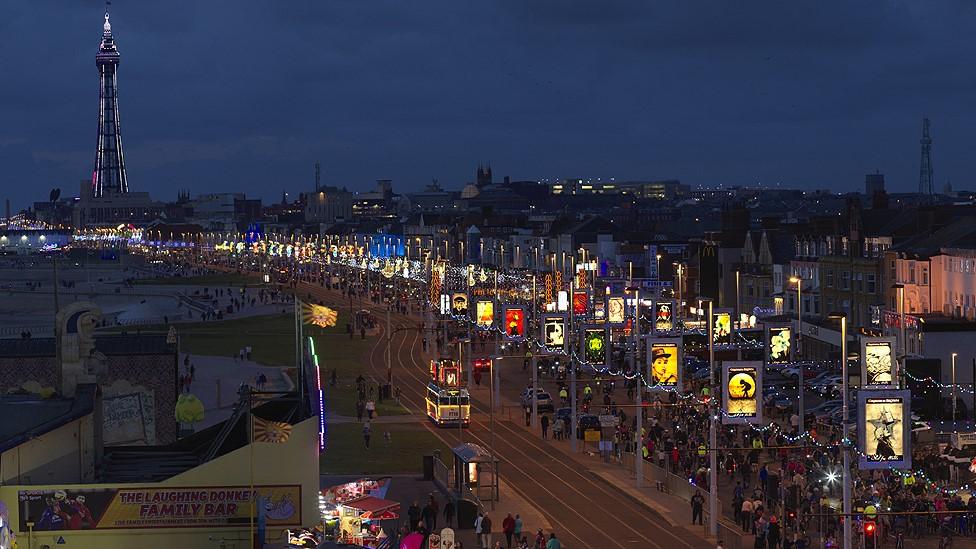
{"x":319,"y":315}
{"x":484,"y":276}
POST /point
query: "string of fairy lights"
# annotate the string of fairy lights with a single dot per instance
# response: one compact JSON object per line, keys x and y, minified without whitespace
{"x":417,"y":271}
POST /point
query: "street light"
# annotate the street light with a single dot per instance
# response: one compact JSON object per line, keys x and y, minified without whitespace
{"x":954,"y":355}
{"x":799,"y":315}
{"x":847,"y":456}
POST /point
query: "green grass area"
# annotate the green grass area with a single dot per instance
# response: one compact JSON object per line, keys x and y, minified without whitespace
{"x":349,"y":358}
{"x":272,"y":341}
{"x":345,"y":453}
{"x":220,"y":279}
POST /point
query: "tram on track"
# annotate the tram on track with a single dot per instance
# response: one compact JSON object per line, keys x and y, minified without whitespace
{"x":448,"y":403}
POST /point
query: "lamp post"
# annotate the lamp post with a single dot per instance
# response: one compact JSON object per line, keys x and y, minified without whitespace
{"x":738,"y":292}
{"x":712,"y":429}
{"x":845,"y":449}
{"x":903,"y":343}
{"x":954,"y":355}
{"x":799,"y":310}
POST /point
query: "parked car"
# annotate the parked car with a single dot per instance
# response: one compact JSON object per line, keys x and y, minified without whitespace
{"x":543,"y":399}
{"x":824,"y":409}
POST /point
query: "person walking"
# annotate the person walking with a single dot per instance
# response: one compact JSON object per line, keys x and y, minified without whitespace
{"x":367,"y":431}
{"x":697,"y":505}
{"x":448,"y":515}
{"x":477,"y":527}
{"x":553,"y":542}
{"x":746,"y":515}
{"x":545,"y":426}
{"x":413,"y":514}
{"x":508,"y":528}
{"x":485,"y":532}
{"x":517,"y":532}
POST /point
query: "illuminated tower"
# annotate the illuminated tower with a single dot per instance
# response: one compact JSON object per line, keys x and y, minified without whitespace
{"x":109,"y":175}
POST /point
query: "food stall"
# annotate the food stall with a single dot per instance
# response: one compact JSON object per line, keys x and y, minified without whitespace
{"x":352,"y":512}
{"x":360,"y":520}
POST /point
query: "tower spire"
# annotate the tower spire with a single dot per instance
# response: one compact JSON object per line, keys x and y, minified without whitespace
{"x":109,"y":174}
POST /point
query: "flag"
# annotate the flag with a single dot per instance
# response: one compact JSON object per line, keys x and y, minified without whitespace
{"x":319,"y":315}
{"x":274,"y":432}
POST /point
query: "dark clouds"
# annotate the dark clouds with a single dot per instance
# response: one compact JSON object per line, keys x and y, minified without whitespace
{"x":226,"y":95}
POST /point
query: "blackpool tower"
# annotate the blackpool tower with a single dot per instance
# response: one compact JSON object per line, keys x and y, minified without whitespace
{"x":109,"y":175}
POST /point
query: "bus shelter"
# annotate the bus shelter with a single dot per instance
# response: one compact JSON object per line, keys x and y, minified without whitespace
{"x":475,"y":472}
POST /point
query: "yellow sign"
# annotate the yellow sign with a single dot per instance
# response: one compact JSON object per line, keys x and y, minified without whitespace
{"x":114,"y":508}
{"x":591,"y":436}
{"x":664,"y":364}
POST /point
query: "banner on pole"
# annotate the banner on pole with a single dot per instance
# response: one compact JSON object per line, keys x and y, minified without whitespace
{"x":742,"y":392}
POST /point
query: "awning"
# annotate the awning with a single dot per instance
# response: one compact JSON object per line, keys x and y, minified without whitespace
{"x":373,"y":508}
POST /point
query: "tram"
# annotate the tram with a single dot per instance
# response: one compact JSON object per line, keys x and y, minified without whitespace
{"x":447,"y":402}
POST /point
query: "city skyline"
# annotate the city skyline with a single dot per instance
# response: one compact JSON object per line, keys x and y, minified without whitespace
{"x":772,"y":108}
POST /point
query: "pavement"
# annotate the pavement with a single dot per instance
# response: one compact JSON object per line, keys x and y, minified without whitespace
{"x":217,"y":381}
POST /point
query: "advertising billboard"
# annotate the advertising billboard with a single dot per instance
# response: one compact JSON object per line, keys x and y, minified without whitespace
{"x":514,"y":321}
{"x":664,"y":356}
{"x":722,"y":327}
{"x":884,"y":423}
{"x":779,"y":344}
{"x":663,"y":316}
{"x":595,"y":346}
{"x":616,"y":313}
{"x":114,"y":508}
{"x":742,"y":392}
{"x":878,"y":362}
{"x":485,"y":313}
{"x":554,"y":332}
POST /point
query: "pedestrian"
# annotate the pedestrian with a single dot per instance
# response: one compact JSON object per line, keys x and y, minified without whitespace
{"x":746,"y":515}
{"x":477,"y":527}
{"x":545,"y":426}
{"x":485,"y":532}
{"x":434,"y":510}
{"x":413,"y":514}
{"x":370,"y":408}
{"x":360,"y":410}
{"x":540,"y":540}
{"x":448,"y":515}
{"x":720,"y":545}
{"x":773,"y":533}
{"x":697,"y":505}
{"x":553,"y":543}
{"x":517,"y":532}
{"x":508,"y":528}
{"x":367,"y":431}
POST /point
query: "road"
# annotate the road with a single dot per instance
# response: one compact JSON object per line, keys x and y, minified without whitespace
{"x":584,"y":510}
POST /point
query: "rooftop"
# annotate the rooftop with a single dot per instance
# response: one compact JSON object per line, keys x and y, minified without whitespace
{"x":28,"y":416}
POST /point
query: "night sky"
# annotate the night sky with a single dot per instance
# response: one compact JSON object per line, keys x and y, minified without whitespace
{"x":246,"y":95}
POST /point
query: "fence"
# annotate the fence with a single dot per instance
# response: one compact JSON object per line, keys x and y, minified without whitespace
{"x":681,"y":488}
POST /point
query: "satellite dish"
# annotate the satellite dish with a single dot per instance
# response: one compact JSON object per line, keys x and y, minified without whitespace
{"x":55,"y":194}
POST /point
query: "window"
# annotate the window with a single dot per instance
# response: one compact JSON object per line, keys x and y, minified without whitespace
{"x":845,"y":280}
{"x":894,"y":271}
{"x":830,"y":278}
{"x":872,"y":283}
{"x":806,"y":306}
{"x":925,"y":276}
{"x":859,"y":281}
{"x":911,"y":272}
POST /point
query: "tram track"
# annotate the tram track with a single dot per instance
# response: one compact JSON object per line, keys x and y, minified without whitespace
{"x":537,"y":486}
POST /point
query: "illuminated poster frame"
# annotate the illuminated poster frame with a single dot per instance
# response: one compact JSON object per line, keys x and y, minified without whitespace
{"x":775,"y":352}
{"x":661,"y":325}
{"x":597,"y":358}
{"x":581,"y":303}
{"x":879,"y":365}
{"x":616,"y":310}
{"x":551,"y":325}
{"x":485,"y":313}
{"x":459,"y":304}
{"x":722,"y":327}
{"x":884,"y":417}
{"x":670,"y":365}
{"x":740,"y":405}
{"x":521,"y":321}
